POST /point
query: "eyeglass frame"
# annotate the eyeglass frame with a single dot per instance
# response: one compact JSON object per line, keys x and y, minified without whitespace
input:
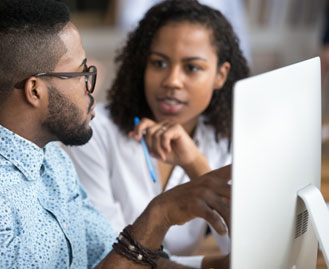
{"x":68,"y":75}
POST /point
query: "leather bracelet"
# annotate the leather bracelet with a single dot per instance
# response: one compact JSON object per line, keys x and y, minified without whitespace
{"x":128,"y":247}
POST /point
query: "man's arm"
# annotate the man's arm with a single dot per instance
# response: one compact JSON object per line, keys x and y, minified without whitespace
{"x":206,"y":198}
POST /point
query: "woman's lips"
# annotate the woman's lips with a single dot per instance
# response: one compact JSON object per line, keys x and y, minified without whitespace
{"x":170,"y":105}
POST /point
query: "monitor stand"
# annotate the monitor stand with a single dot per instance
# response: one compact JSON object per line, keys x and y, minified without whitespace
{"x":318,"y":210}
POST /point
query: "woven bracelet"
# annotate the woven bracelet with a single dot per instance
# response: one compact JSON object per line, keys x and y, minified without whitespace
{"x":128,"y":247}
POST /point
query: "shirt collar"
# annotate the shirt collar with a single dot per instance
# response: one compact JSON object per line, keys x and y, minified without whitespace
{"x":22,"y":153}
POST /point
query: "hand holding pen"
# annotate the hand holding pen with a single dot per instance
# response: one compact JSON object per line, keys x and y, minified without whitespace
{"x":169,"y":142}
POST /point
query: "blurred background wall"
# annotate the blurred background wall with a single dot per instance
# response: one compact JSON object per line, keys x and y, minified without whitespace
{"x":277,"y":32}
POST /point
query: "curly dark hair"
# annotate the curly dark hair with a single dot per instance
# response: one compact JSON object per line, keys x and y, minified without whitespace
{"x":29,"y":41}
{"x":126,"y":96}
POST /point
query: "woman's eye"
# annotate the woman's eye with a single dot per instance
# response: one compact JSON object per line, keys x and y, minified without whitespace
{"x":192,"y":68}
{"x":158,"y":63}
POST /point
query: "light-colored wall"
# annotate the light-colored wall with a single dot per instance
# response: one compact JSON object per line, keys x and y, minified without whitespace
{"x":281,"y":32}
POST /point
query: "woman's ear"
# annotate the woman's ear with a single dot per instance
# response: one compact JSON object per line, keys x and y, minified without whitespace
{"x":221,"y":76}
{"x":34,"y":91}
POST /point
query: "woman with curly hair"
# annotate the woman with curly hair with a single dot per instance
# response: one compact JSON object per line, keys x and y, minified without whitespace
{"x":176,"y":73}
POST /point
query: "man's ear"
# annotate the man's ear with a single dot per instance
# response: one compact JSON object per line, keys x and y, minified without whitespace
{"x":221,"y":76}
{"x":34,"y":91}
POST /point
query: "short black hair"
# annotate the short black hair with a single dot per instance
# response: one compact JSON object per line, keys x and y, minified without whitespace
{"x":126,"y":96}
{"x":29,"y":41}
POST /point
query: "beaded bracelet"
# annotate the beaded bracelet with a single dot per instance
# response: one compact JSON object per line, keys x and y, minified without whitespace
{"x":128,"y":247}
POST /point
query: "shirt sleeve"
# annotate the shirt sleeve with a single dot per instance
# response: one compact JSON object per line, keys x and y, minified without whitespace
{"x":93,"y":164}
{"x":8,"y":242}
{"x":190,"y":261}
{"x":13,"y":253}
{"x":99,"y":233}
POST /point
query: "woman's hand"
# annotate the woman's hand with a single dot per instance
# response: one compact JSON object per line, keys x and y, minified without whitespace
{"x":169,"y":142}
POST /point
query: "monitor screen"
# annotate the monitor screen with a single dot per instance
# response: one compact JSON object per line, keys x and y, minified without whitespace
{"x":276,"y":152}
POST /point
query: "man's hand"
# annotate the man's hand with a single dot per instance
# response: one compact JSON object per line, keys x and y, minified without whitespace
{"x":207,"y":197}
{"x":216,"y":262}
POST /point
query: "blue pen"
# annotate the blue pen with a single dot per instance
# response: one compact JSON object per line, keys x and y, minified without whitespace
{"x":146,"y":153}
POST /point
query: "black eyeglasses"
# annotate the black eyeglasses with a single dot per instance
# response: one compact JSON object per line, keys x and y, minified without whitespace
{"x":90,"y":77}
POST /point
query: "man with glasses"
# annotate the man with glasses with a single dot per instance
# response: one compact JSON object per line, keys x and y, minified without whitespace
{"x":46,"y":220}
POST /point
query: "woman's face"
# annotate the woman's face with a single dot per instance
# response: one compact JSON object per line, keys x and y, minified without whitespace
{"x":181,"y":73}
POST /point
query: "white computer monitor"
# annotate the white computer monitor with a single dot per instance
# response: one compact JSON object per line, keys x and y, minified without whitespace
{"x":276,"y":153}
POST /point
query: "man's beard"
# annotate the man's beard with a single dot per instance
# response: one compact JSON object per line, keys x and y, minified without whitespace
{"x":63,"y":120}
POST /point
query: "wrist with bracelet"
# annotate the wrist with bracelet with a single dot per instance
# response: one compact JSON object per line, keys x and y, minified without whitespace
{"x":128,"y":247}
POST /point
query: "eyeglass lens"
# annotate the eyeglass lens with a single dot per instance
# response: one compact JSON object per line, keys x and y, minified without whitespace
{"x":91,"y":79}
